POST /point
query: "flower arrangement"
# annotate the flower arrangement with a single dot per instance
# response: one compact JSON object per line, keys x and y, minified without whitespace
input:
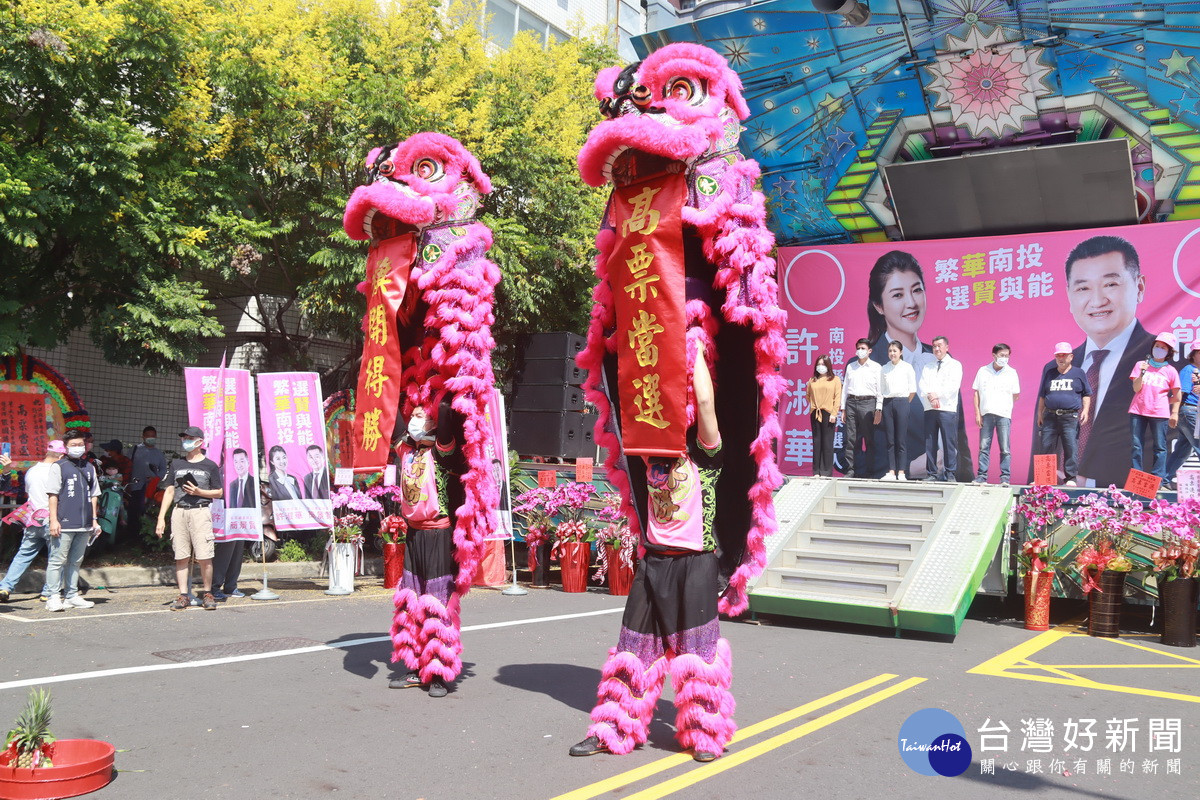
{"x":531,"y":506}
{"x":1040,"y":507}
{"x":351,"y":499}
{"x":392,"y":528}
{"x":347,"y":528}
{"x":1109,"y":517}
{"x":614,"y":534}
{"x":1177,"y":525}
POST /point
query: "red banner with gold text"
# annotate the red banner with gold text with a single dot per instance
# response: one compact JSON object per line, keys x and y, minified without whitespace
{"x":388,"y":265}
{"x":646,"y":273}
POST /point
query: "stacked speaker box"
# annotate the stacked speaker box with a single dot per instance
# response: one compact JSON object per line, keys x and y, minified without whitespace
{"x":548,"y":416}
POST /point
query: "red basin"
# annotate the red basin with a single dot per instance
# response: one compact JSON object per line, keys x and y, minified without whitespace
{"x":80,"y":766}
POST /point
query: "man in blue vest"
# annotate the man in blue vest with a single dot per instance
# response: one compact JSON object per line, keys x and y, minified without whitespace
{"x":73,"y":488}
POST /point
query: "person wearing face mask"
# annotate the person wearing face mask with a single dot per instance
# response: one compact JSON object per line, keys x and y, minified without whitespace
{"x":425,"y":625}
{"x":824,"y":393}
{"x":862,"y":404}
{"x":1155,"y":403}
{"x":148,"y":463}
{"x":899,"y":388}
{"x":73,"y":489}
{"x":1188,"y":442}
{"x":997,"y":388}
{"x":199,"y":481}
{"x":35,"y":515}
{"x":941,"y":379}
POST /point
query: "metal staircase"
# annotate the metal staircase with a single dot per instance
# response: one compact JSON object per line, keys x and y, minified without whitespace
{"x":904,"y":555}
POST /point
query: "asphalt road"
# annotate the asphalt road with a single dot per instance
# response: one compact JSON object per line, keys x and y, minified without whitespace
{"x":289,"y":698}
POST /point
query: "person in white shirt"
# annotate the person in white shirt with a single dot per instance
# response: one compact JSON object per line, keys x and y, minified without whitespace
{"x":35,"y":514}
{"x":899,"y":388}
{"x":997,"y":388}
{"x":940,"y":382}
{"x":862,"y":407}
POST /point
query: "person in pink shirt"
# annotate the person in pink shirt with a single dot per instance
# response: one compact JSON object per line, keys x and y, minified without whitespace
{"x":1155,"y":402}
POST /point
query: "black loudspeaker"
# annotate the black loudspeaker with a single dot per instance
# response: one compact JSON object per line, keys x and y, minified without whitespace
{"x":547,"y":397}
{"x":554,"y":345}
{"x":553,"y":433}
{"x":551,"y":370}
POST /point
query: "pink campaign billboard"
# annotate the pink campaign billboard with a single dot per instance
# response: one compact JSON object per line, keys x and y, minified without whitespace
{"x":293,"y":425}
{"x":1127,"y":284}
{"x":228,"y":411}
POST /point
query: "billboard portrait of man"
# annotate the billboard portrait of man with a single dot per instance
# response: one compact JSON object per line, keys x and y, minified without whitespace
{"x":1105,"y":284}
{"x":316,"y":482}
{"x":242,"y":492}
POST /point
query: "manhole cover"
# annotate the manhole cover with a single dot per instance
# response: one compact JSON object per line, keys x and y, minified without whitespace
{"x":236,"y":649}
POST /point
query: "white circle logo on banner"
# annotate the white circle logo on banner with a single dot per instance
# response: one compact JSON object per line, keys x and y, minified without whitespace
{"x":787,"y":282}
{"x":1179,"y":279}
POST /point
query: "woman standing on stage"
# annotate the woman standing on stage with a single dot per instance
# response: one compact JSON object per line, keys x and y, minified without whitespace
{"x":824,"y":393}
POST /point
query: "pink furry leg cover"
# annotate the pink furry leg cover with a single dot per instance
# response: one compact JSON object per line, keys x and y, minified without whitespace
{"x":441,"y":642}
{"x":704,"y":705}
{"x":625,"y":701}
{"x":406,"y":629}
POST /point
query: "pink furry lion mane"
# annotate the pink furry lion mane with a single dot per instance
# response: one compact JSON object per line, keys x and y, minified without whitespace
{"x":681,"y":110}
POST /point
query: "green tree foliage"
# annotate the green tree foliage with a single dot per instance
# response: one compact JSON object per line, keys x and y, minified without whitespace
{"x":160,"y":156}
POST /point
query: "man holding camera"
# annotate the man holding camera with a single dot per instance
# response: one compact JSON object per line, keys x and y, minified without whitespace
{"x":199,"y":481}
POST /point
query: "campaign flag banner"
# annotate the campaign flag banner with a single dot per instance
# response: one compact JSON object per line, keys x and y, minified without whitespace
{"x":221,"y":403}
{"x":23,"y":425}
{"x":293,"y":424}
{"x":1106,"y":291}
{"x":496,"y":450}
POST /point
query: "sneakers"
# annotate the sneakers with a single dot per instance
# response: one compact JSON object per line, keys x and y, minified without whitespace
{"x":588,"y":747}
{"x":437,"y":688}
{"x":900,"y":476}
{"x":181,"y":603}
{"x":79,"y":602}
{"x":219,"y":596}
{"x":888,"y":477}
{"x":3,"y":595}
{"x":43,"y":598}
{"x":979,"y":480}
{"x":55,"y":603}
{"x":703,"y":756}
{"x":210,"y":602}
{"x":1070,"y":483}
{"x":237,"y":593}
{"x":407,"y":682}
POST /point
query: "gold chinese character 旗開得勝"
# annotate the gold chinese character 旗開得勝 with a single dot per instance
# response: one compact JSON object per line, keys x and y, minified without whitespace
{"x":639,"y":268}
{"x":370,"y":434}
{"x":649,"y":402}
{"x":375,"y":377}
{"x":641,"y":334}
{"x":642,"y":218}
{"x":377,"y":325}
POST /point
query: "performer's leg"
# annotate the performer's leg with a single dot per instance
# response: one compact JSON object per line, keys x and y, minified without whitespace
{"x":439,"y":636}
{"x":631,"y":679}
{"x":701,"y":663}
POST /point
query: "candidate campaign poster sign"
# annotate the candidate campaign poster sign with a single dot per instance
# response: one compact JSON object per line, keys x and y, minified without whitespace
{"x":1108,"y":292}
{"x":221,"y":403}
{"x":293,"y":425}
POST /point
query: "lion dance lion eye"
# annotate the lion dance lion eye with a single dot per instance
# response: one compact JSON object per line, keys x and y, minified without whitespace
{"x":680,"y":89}
{"x":427,"y":169}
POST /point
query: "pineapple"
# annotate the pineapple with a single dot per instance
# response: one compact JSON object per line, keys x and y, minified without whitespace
{"x":32,"y":733}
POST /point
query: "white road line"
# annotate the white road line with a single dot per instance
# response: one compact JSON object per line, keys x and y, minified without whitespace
{"x":212,"y":662}
{"x":88,"y":614}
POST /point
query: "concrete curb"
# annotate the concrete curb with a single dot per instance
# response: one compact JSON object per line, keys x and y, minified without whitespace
{"x":33,"y":579}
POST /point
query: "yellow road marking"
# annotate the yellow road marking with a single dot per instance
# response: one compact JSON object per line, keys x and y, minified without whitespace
{"x":677,"y":759}
{"x":1014,"y":662}
{"x":729,"y":762}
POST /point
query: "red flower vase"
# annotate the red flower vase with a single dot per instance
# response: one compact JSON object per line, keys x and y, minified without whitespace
{"x":573,"y":557}
{"x":1037,"y":600}
{"x":393,"y":564}
{"x":620,"y":576}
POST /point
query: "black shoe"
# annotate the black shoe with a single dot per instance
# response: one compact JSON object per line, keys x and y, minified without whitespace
{"x":407,"y":682}
{"x":437,"y":688}
{"x":703,"y":756}
{"x":588,"y":747}
{"x":3,"y":596}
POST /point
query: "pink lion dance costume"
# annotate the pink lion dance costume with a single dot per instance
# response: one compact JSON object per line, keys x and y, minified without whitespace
{"x":701,"y":502}
{"x":428,"y":345}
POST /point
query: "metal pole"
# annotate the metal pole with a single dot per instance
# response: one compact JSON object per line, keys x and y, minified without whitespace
{"x":265,"y":593}
{"x":514,"y":590}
